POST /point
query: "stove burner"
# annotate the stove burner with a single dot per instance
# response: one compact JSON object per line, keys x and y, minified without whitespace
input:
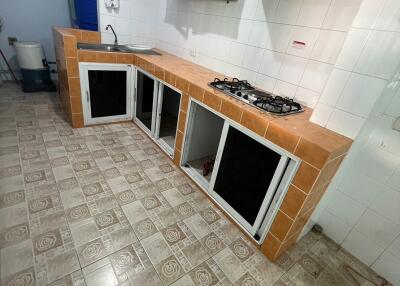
{"x":278,"y":104}
{"x":243,"y":91}
{"x":233,"y":86}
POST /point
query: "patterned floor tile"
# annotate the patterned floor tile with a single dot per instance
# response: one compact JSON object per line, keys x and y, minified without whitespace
{"x":169,"y":270}
{"x":103,"y":205}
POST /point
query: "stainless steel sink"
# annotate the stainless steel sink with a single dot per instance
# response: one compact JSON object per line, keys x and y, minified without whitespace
{"x":100,"y":47}
{"x":114,"y":48}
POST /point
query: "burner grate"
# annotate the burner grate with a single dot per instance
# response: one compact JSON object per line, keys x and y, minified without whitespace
{"x":242,"y":90}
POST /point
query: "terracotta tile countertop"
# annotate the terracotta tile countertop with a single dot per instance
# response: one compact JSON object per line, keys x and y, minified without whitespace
{"x":289,"y":132}
{"x":295,"y":133}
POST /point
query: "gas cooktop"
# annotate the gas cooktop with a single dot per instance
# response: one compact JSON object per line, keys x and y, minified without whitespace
{"x":242,"y":90}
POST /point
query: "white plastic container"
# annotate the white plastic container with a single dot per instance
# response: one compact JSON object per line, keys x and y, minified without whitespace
{"x":30,"y":55}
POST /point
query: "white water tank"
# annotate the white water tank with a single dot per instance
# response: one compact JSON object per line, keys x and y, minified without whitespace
{"x":30,"y":55}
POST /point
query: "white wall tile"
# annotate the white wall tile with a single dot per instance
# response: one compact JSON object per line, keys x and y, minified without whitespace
{"x":259,"y":34}
{"x":376,"y":163}
{"x":345,"y":123}
{"x":360,"y":86}
{"x":352,"y":48}
{"x":345,"y":208}
{"x":328,"y":46}
{"x":306,"y":97}
{"x":271,"y":63}
{"x":334,"y":227}
{"x":386,"y":99}
{"x":249,"y":9}
{"x":124,"y":9}
{"x":236,"y":53}
{"x":292,"y":69}
{"x":388,"y":266}
{"x":377,"y":228}
{"x":380,"y":56}
{"x":387,"y":204}
{"x":394,"y":180}
{"x":384,"y":137}
{"x":266,"y":10}
{"x":221,"y":49}
{"x":285,"y":89}
{"x":361,"y":247}
{"x":360,"y":187}
{"x":388,"y":19}
{"x":249,"y":75}
{"x":252,"y":58}
{"x":341,"y":14}
{"x":287,"y":11}
{"x":334,"y":87}
{"x":394,"y":248}
{"x":313,"y":12}
{"x":265,"y":82}
{"x":394,"y":107}
{"x":316,"y":75}
{"x":278,"y":37}
{"x":367,"y":13}
{"x":243,"y":32}
{"x":302,"y":34}
{"x":321,"y":114}
{"x":122,"y":25}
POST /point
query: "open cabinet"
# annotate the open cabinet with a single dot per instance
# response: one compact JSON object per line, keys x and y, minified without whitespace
{"x":169,"y":101}
{"x":156,"y":109}
{"x":145,"y":101}
{"x":204,"y":132}
{"x":107,"y":90}
{"x":241,"y":171}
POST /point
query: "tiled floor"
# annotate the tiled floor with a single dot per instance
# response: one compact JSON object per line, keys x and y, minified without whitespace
{"x":104,"y":206}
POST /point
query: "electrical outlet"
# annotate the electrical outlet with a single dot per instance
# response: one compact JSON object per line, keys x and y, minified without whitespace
{"x":193,"y":52}
{"x":12,"y":40}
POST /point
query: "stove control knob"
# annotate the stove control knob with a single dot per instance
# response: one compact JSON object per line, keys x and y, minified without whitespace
{"x":245,"y":96}
{"x":239,"y":94}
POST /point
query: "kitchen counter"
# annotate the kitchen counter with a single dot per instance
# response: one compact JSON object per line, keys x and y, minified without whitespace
{"x":320,"y":150}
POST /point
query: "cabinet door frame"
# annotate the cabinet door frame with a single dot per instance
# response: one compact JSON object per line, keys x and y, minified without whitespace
{"x":270,"y":192}
{"x":84,"y":68}
{"x":272,"y":204}
{"x":160,"y":101}
{"x":150,"y":131}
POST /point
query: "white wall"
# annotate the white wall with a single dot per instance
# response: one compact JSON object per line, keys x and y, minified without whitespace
{"x":361,"y":210}
{"x":134,"y":22}
{"x":32,"y":21}
{"x":368,"y":59}
{"x":253,"y":40}
{"x":250,"y":39}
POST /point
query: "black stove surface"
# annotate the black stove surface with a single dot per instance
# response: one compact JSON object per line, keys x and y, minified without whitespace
{"x":243,"y":91}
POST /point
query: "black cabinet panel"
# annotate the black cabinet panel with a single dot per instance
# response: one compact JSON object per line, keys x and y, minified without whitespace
{"x":245,"y":173}
{"x":144,"y":99}
{"x":107,"y":92}
{"x":169,"y":115}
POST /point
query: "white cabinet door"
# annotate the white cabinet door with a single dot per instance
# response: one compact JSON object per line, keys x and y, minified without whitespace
{"x":156,"y":109}
{"x":169,"y":102}
{"x":145,"y":107}
{"x":106,"y":91}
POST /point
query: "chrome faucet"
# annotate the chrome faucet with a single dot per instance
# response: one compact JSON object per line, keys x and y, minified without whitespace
{"x":115,"y":35}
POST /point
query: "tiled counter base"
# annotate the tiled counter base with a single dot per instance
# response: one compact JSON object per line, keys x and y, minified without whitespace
{"x":321,"y":151}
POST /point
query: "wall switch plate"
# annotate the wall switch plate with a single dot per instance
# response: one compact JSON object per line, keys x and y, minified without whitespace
{"x":396,"y":124}
{"x":12,"y":40}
